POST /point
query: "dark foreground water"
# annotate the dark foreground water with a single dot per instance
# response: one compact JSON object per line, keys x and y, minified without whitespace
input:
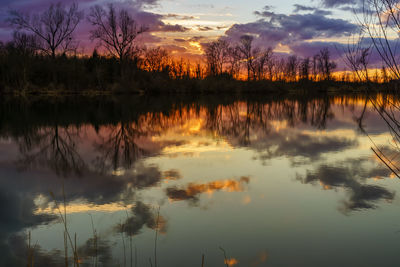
{"x":161,"y":181}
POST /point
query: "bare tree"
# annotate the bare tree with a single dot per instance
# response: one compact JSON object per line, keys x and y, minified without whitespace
{"x":314,"y":67}
{"x":246,"y":48}
{"x":357,"y":58}
{"x":381,"y":22}
{"x":325,"y":65}
{"x":261,"y":61}
{"x":25,"y":44}
{"x":234,"y":61}
{"x":115,"y":30}
{"x":156,"y":59}
{"x":216,"y":56}
{"x":291,"y":68}
{"x":54,"y":27}
{"x":304,"y":71}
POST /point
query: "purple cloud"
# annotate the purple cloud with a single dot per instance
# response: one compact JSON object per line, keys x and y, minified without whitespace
{"x":148,"y":19}
{"x":275,"y":28}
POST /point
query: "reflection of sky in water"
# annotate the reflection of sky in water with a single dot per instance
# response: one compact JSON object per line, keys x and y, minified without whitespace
{"x":278,"y":184}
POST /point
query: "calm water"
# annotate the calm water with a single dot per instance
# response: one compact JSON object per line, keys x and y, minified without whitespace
{"x":274,"y":182}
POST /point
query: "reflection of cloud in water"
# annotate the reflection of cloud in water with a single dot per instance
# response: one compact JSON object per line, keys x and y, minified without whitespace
{"x":172,"y":175}
{"x":192,"y":191}
{"x":96,"y":248}
{"x":142,"y":215}
{"x":20,"y":208}
{"x":292,"y":144}
{"x":15,"y":252}
{"x":351,"y":175}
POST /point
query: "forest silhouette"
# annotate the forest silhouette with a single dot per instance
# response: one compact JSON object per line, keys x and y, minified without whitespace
{"x":43,"y":57}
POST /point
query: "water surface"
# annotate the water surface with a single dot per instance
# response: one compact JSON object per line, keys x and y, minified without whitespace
{"x":289,"y":181}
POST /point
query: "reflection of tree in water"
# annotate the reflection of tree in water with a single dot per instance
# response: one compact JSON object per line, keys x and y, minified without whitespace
{"x":388,"y":108}
{"x":238,"y":120}
{"x":120,"y":148}
{"x":54,"y":147}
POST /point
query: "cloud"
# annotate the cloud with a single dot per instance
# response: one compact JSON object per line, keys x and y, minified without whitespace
{"x":309,"y":49}
{"x":294,"y":145}
{"x":169,"y":28}
{"x":299,"y":8}
{"x":192,"y":191}
{"x":351,"y":175}
{"x":179,"y":17}
{"x":338,"y":50}
{"x":146,"y":3}
{"x":15,"y":253}
{"x":136,"y":8}
{"x":172,"y":175}
{"x":339,"y":3}
{"x":142,"y":215}
{"x":273,"y":28}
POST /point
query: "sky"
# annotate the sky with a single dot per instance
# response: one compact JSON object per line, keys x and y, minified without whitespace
{"x":183,"y":27}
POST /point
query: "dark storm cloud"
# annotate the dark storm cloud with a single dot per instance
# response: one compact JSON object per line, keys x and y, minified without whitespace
{"x":351,"y":176}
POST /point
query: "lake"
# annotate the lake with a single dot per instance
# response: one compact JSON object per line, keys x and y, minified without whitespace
{"x":174,"y":180}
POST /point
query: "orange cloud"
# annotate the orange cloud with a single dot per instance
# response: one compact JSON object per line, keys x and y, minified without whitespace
{"x":192,"y":191}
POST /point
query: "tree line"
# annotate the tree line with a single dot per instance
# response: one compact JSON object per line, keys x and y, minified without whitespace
{"x":243,"y":59}
{"x":44,"y":53}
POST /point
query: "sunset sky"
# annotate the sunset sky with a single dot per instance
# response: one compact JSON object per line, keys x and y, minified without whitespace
{"x":183,"y":27}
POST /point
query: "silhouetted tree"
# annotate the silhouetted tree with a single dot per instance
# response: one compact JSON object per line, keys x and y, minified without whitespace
{"x":357,"y":58}
{"x":234,"y":61}
{"x":261,"y":61}
{"x":325,"y":65}
{"x":216,"y":54}
{"x":305,"y":69}
{"x":291,"y":68}
{"x":156,"y":59}
{"x":54,"y":27}
{"x":246,"y":48}
{"x":380,"y":21}
{"x":115,"y":30}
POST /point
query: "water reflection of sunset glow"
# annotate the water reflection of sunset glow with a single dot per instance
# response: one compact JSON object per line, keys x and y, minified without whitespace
{"x":85,"y":207}
{"x":262,"y":172}
{"x":193,"y":190}
{"x":231,"y":262}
